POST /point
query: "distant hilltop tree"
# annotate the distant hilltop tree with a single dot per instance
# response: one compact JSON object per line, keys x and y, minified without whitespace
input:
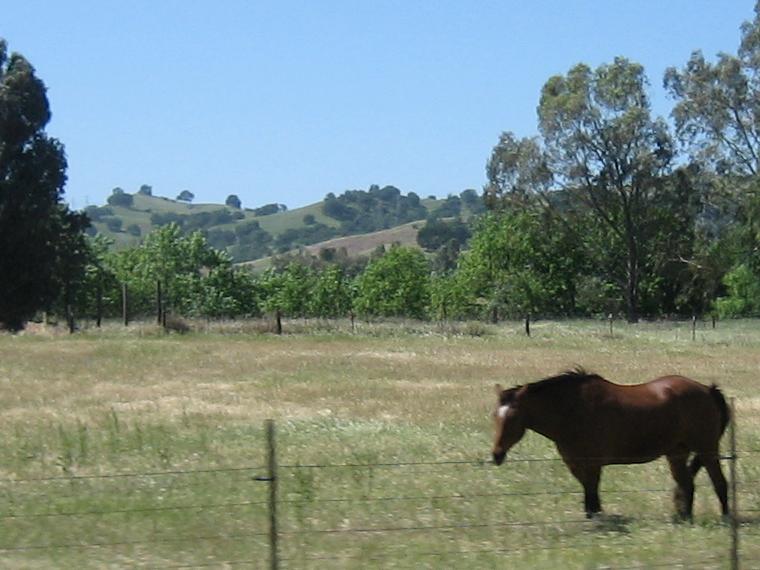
{"x":186,"y":196}
{"x":146,"y":190}
{"x":120,"y":198}
{"x":269,"y":209}
{"x":233,"y":201}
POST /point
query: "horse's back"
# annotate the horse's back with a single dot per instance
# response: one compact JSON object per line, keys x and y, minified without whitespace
{"x":670,"y":412}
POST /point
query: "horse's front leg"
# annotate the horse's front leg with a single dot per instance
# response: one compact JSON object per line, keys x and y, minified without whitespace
{"x":588,"y":475}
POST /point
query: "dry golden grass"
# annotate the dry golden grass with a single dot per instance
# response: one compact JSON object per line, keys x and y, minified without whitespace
{"x":137,"y":401}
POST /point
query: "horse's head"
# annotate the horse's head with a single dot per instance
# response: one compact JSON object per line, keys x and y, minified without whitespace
{"x":509,"y":423}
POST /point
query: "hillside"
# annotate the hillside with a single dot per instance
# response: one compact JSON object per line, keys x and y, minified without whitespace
{"x":358,"y":220}
{"x":356,"y":245}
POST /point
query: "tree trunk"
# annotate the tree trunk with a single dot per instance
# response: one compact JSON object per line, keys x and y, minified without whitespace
{"x":632,"y":288}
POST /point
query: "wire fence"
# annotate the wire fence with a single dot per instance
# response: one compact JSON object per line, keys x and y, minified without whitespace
{"x":349,"y":514}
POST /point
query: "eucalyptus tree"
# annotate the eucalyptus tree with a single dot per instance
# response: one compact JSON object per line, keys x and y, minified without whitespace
{"x":717,"y":111}
{"x":717,"y":117}
{"x":599,"y":163}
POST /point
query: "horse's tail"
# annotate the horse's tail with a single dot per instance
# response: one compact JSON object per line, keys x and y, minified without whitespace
{"x":720,"y":401}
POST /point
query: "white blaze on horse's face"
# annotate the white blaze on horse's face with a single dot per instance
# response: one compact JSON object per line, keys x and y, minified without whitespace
{"x":501,"y":413}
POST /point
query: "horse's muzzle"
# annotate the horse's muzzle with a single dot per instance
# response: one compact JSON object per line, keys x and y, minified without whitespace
{"x":498,"y":458}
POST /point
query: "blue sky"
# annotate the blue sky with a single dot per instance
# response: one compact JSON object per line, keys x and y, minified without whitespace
{"x":286,"y":101}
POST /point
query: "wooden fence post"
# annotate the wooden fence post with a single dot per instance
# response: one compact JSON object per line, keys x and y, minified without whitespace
{"x":124,"y":304}
{"x":527,"y":324}
{"x":271,"y":478}
{"x":733,"y":490}
{"x":99,"y":304}
{"x":159,"y":303}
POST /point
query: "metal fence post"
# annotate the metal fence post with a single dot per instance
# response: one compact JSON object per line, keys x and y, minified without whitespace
{"x":734,"y":502}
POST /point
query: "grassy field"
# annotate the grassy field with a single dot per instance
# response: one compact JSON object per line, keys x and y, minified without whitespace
{"x":129,"y":448}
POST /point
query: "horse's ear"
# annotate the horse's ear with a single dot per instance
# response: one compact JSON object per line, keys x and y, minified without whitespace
{"x":498,"y":389}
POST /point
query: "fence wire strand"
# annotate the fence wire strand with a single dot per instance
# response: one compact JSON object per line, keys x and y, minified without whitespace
{"x":181,"y":539}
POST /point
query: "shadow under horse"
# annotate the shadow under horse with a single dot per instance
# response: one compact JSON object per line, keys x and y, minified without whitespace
{"x":594,"y":423}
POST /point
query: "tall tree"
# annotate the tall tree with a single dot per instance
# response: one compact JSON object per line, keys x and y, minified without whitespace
{"x":600,"y":151}
{"x":41,"y":239}
{"x":717,"y":117}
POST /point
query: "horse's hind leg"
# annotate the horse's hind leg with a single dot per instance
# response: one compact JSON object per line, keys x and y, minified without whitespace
{"x":695,"y":465}
{"x":684,"y":492}
{"x":718,"y":480}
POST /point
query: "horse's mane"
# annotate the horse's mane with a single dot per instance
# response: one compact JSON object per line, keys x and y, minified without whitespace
{"x":569,"y":378}
{"x":573,"y":377}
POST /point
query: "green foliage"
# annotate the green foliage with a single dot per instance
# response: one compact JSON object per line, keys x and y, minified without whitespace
{"x":521,"y":261}
{"x":42,"y":242}
{"x":177,"y":261}
{"x":252,"y":241}
{"x":120,"y":198}
{"x":451,"y":297}
{"x":743,"y":297}
{"x":269,"y":209}
{"x":185,"y":196}
{"x":288,"y":291}
{"x":435,"y":233}
{"x":395,"y":284}
{"x":233,"y":201}
{"x":716,"y":110}
{"x":96,"y":214}
{"x":378,"y":208}
{"x":516,"y":168}
{"x":332,"y":293}
{"x":226,"y":292}
{"x":307,"y":235}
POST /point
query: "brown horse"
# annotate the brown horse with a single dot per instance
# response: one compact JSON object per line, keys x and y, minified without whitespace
{"x":594,"y":423}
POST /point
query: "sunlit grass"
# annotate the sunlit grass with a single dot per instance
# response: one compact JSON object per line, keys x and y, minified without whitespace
{"x":187,"y":412}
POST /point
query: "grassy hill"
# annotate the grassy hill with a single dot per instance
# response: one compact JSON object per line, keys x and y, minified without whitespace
{"x":356,"y":245}
{"x":357,"y":220}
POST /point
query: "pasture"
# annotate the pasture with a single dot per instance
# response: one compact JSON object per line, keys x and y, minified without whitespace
{"x":131,"y":448}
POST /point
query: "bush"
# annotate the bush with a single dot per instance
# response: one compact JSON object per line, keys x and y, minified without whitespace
{"x":743,"y":298}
